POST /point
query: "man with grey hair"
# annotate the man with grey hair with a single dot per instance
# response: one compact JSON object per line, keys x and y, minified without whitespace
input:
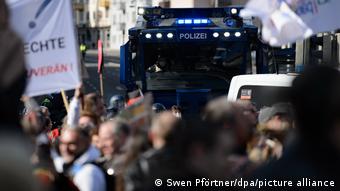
{"x":77,"y":158}
{"x":112,"y":136}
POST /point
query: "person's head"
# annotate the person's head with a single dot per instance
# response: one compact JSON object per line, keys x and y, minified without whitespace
{"x":46,"y":114}
{"x":94,"y":137}
{"x":276,"y":120}
{"x":93,"y":103}
{"x":221,"y":111}
{"x":315,"y":98}
{"x":161,"y":62}
{"x":158,"y":107}
{"x":73,"y":143}
{"x":164,"y":129}
{"x":56,"y":107}
{"x":176,"y":111}
{"x":229,"y":115}
{"x":47,"y":101}
{"x":112,"y":137}
{"x":36,"y":121}
{"x":89,"y":123}
{"x":88,"y":119}
{"x":116,"y":102}
{"x":207,"y":148}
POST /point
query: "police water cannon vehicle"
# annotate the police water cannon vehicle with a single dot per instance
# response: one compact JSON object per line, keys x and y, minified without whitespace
{"x":186,"y":56}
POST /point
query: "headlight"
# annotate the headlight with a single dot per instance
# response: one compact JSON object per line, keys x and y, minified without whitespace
{"x":215,"y":34}
{"x":237,"y":34}
{"x":170,"y":35}
{"x":227,"y":34}
{"x":233,"y":11}
{"x":141,"y":11}
{"x":148,"y":36}
{"x":159,"y":35}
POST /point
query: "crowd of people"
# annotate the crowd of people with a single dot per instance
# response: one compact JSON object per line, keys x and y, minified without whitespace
{"x":94,"y":148}
{"x":90,"y":147}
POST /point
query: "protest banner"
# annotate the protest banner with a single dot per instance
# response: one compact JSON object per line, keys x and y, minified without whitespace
{"x":50,"y":45}
{"x":287,"y":21}
{"x":139,"y":113}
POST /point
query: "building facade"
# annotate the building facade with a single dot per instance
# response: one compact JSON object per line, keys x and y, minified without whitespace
{"x":92,"y":18}
{"x":124,"y":15}
{"x":81,"y":19}
{"x":118,"y":24}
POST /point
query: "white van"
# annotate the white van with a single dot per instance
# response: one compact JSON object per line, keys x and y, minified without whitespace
{"x":261,"y":89}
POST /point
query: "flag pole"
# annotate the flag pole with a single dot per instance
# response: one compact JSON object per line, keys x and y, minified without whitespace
{"x":101,"y":84}
{"x":65,"y":100}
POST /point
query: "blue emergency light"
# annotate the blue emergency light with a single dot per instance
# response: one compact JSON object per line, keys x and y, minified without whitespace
{"x":195,"y":21}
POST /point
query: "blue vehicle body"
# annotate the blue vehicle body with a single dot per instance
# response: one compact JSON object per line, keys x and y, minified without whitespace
{"x":187,"y":56}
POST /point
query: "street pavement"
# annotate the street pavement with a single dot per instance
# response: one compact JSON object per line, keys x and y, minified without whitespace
{"x":110,"y":74}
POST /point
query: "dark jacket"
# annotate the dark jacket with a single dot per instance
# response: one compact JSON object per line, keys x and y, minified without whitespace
{"x":154,"y":164}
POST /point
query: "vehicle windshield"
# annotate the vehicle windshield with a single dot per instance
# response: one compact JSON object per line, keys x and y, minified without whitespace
{"x":178,"y":66}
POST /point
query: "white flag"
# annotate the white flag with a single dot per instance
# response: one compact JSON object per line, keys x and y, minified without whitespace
{"x":51,"y":51}
{"x":286,"y":21}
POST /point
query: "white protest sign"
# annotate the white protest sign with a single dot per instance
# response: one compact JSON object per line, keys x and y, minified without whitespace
{"x":286,"y":21}
{"x":51,"y":51}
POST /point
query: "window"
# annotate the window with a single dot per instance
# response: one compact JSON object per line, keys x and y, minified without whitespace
{"x":264,"y":95}
{"x":188,"y":66}
{"x":108,"y":35}
{"x":81,"y":16}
